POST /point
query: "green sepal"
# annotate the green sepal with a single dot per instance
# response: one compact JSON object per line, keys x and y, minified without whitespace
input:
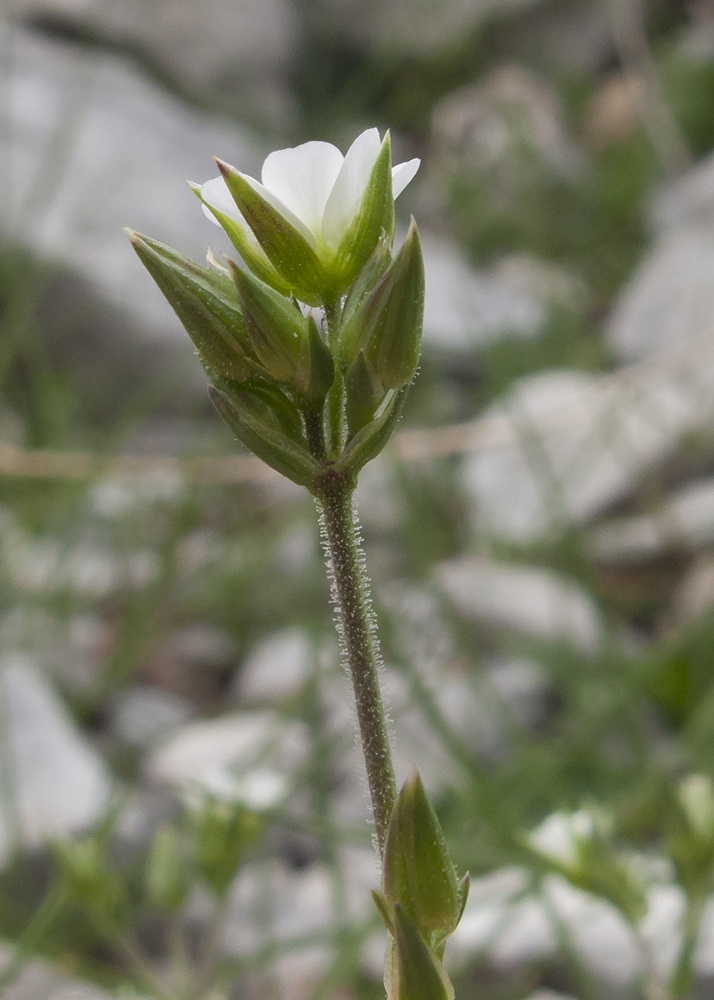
{"x":368,"y":442}
{"x":221,"y":834}
{"x":276,"y":327}
{"x":286,"y":248}
{"x":383,"y":908}
{"x":315,"y":370}
{"x":282,"y":413}
{"x":251,"y":421}
{"x":205,"y":301}
{"x":167,"y":880}
{"x":388,"y":324}
{"x":418,"y":871}
{"x":416,"y":974}
{"x":363,"y":393}
{"x":254,"y":258}
{"x":364,"y":283}
{"x":376,"y":216}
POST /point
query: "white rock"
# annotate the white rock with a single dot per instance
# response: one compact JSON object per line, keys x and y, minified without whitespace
{"x":514,"y":923}
{"x":278,"y":667}
{"x":129,"y":148}
{"x":56,"y":782}
{"x":246,"y":755}
{"x":537,"y":602}
{"x":142,"y":714}
{"x":300,"y":903}
{"x":39,"y":980}
{"x":562,"y":445}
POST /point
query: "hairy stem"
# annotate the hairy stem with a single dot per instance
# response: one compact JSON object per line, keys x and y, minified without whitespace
{"x":356,"y":625}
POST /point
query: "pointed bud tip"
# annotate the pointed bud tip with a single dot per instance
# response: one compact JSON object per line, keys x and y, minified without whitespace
{"x":225,"y":168}
{"x":133,"y":236}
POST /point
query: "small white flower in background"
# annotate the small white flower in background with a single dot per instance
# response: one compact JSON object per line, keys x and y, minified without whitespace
{"x":314,"y":187}
{"x":559,"y":835}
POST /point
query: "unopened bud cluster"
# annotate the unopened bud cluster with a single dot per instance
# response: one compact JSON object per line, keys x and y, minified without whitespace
{"x":310,"y":340}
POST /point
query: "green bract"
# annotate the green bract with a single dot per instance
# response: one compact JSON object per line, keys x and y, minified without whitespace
{"x":418,"y":873}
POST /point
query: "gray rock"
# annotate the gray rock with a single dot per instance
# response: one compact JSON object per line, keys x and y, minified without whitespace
{"x":230,"y":51}
{"x":693,"y":596}
{"x":141,"y":714}
{"x":465,"y":308}
{"x":685,"y":521}
{"x":414,"y":27}
{"x":669,"y":300}
{"x":71,"y":649}
{"x":667,"y":304}
{"x":54,"y":783}
{"x":500,"y":125}
{"x":127,"y":150}
{"x":515,"y":926}
{"x":534,"y":601}
{"x":563,"y":445}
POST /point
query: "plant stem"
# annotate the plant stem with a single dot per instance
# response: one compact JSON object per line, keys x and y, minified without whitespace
{"x":357,"y":627}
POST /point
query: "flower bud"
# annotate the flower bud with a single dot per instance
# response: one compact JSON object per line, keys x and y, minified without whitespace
{"x":221,"y":833}
{"x":207,"y":304}
{"x":166,"y":877}
{"x":92,"y":880}
{"x":266,"y":427}
{"x":388,"y":324}
{"x":363,"y":393}
{"x":276,"y":327}
{"x":367,"y":278}
{"x":418,"y":873}
{"x":315,"y":370}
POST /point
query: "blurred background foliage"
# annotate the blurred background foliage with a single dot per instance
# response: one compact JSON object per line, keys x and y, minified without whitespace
{"x":181,"y":805}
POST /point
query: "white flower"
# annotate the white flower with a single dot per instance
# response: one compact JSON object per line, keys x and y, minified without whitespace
{"x":559,"y":835}
{"x":314,"y":187}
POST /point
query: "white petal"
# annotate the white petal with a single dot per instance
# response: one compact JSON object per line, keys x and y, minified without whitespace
{"x":302,"y":179}
{"x":281,"y":207}
{"x":215,"y":192}
{"x":402,"y":174}
{"x":346,"y":196}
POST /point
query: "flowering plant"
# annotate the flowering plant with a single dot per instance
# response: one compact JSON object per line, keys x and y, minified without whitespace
{"x":310,"y":342}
